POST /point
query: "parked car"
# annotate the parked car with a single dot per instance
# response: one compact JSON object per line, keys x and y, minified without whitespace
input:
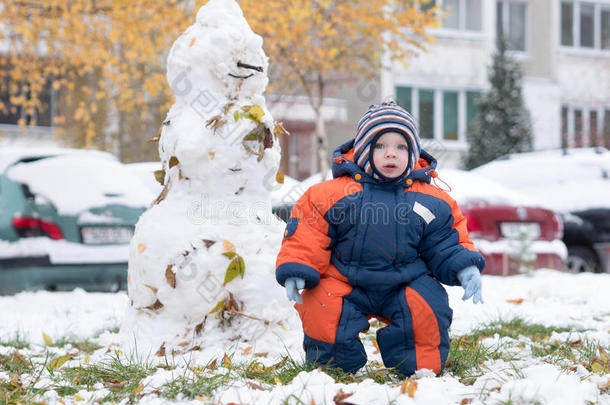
{"x":511,"y":230}
{"x":574,"y":183}
{"x":66,"y":219}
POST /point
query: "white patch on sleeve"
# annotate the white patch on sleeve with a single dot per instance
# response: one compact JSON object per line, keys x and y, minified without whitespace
{"x":423,"y":212}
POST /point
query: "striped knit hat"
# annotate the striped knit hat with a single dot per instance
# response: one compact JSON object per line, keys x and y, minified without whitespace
{"x":379,"y":119}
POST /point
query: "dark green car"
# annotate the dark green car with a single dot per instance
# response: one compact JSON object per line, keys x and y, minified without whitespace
{"x":66,"y":219}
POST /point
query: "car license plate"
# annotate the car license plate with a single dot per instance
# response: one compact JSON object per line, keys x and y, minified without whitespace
{"x":101,"y":235}
{"x":520,"y":230}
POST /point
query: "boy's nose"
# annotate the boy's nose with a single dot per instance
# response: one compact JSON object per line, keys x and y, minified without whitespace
{"x":390,"y":152}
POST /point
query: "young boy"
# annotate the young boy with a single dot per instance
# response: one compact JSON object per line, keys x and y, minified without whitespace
{"x":374,"y":242}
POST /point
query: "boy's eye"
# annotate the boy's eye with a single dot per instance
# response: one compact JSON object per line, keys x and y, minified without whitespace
{"x":402,"y":147}
{"x":379,"y":146}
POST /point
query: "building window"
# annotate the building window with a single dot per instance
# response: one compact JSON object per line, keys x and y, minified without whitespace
{"x":584,"y":126}
{"x":585,"y":24}
{"x":567,"y":23}
{"x":564,"y":127}
{"x":607,"y":128}
{"x":450,"y":115}
{"x":511,"y":23}
{"x":403,"y":98}
{"x":426,"y":114}
{"x":460,"y":15}
{"x":578,"y":129}
{"x":605,"y":32}
{"x":587,"y":12}
{"x":472,"y":105}
{"x":440,"y":114}
{"x":593,"y":130}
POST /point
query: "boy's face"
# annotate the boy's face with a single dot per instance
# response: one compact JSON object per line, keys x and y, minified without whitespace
{"x":391,"y":154}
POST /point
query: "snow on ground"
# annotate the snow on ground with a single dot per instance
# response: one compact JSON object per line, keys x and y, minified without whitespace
{"x":551,"y":298}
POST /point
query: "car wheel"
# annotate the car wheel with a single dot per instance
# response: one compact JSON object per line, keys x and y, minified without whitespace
{"x":582,"y":260}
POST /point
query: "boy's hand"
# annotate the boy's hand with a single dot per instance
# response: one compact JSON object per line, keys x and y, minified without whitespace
{"x":470,"y":277}
{"x":293,"y":285}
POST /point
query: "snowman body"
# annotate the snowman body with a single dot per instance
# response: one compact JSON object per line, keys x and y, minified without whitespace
{"x":203,"y":254}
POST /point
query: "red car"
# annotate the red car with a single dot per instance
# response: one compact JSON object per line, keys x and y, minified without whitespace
{"x":512,"y":231}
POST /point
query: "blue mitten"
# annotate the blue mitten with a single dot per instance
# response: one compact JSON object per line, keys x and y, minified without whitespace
{"x":470,"y":277}
{"x":293,"y":285}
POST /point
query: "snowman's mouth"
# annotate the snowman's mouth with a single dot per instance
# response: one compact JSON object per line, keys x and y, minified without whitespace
{"x":246,"y":66}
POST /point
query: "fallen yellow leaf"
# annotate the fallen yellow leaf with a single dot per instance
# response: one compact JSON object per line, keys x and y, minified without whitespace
{"x":408,"y":387}
{"x":47,"y":339}
{"x":141,"y":247}
{"x":516,"y":302}
{"x":247,"y":350}
{"x":228,"y":246}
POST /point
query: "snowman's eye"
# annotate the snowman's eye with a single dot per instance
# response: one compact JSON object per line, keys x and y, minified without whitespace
{"x":247,"y":66}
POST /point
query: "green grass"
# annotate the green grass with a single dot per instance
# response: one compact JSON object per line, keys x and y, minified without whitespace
{"x":122,"y":378}
{"x":468,"y":360}
{"x":516,"y":327}
{"x":17,"y":341}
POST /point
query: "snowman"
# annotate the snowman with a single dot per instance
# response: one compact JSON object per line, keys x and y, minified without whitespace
{"x":202,"y":256}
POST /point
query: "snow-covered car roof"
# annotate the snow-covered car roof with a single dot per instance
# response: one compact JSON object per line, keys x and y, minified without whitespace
{"x":13,"y":154}
{"x":79,"y":181}
{"x":471,"y":188}
{"x":576,"y":180}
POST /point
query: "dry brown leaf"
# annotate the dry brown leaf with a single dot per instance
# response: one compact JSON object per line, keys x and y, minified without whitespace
{"x":183,"y":344}
{"x":212,"y":364}
{"x":155,"y":306}
{"x":161,"y":351}
{"x":163,"y":194}
{"x":255,"y":386}
{"x":170,"y":276}
{"x":247,"y":350}
{"x":173,"y":161}
{"x":516,"y":302}
{"x":279,"y":129}
{"x":339,"y":397}
{"x":154,"y":289}
{"x":279,"y":177}
{"x":409,"y":387}
{"x":141,"y":247}
{"x":226,"y":362}
{"x":376,"y":347}
{"x":192,"y":41}
{"x":212,"y":155}
{"x":215,"y":122}
{"x":466,"y":401}
{"x":208,"y":243}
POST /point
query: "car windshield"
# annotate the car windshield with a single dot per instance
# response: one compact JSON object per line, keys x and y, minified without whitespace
{"x":75,"y":183}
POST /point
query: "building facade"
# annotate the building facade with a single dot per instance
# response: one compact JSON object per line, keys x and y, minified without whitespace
{"x":563,"y":47}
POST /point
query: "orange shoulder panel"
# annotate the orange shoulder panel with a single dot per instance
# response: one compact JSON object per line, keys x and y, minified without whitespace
{"x":309,"y":243}
{"x":459,"y":221}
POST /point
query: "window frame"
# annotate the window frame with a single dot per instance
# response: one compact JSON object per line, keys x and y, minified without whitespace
{"x":462,"y":32}
{"x":585,"y":110}
{"x":461,"y":143}
{"x":506,"y":24}
{"x":576,"y":47}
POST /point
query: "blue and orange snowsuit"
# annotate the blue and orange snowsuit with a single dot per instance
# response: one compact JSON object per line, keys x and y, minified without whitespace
{"x":367,"y":248}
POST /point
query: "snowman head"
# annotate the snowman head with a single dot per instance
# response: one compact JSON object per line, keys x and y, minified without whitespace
{"x":219,"y":53}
